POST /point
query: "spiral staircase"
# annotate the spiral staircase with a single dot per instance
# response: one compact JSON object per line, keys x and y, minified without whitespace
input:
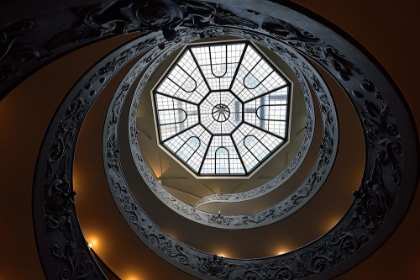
{"x":88,"y":194}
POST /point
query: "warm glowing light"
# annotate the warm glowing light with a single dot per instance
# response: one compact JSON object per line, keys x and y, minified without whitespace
{"x":283,"y":250}
{"x":92,"y":242}
{"x":171,"y":234}
{"x":157,"y":171}
{"x":331,"y":223}
{"x":222,"y":255}
{"x":133,"y":276}
{"x":75,"y":181}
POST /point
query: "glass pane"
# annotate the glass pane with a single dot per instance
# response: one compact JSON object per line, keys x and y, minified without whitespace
{"x":222,"y":108}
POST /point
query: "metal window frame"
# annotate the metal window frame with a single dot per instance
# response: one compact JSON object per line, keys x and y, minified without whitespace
{"x":263,"y":57}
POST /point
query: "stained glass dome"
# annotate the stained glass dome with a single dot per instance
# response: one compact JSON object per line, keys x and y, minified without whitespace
{"x":222,"y":109}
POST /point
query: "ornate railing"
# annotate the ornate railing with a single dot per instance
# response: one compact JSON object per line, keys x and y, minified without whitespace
{"x":299,"y":197}
{"x":391,"y":169}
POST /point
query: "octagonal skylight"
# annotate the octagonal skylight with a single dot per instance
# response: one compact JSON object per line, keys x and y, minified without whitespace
{"x":222,"y":109}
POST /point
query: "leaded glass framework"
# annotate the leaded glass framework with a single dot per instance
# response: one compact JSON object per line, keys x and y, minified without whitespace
{"x":222,"y":109}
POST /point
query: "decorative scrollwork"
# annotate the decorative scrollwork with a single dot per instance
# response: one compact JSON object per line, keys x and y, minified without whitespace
{"x":56,"y":223}
{"x":22,"y":50}
{"x":14,"y":50}
{"x":215,"y":266}
{"x":372,"y":201}
{"x":293,"y":202}
{"x":121,"y":17}
{"x":54,"y":179}
{"x":73,"y":263}
{"x":289,"y":170}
